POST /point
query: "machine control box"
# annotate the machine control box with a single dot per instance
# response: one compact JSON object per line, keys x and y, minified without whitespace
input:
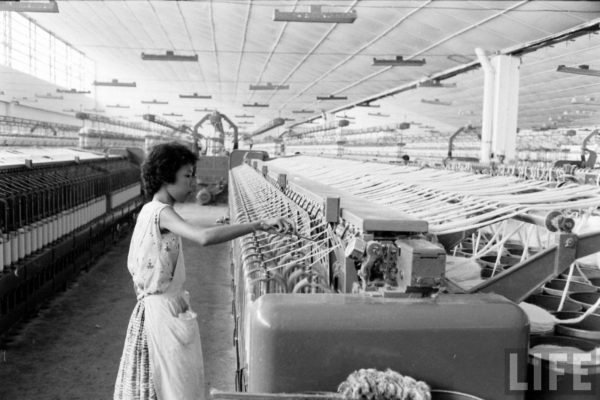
{"x":420,"y":263}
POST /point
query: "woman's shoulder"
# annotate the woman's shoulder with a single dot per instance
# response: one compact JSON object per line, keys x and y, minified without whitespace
{"x":150,"y":209}
{"x":154,"y":205}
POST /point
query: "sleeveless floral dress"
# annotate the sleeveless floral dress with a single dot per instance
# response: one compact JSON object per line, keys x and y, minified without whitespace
{"x":162,"y":356}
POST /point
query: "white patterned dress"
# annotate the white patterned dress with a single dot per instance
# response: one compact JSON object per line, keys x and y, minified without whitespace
{"x":162,"y":356}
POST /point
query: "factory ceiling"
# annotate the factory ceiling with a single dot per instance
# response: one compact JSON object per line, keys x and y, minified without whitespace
{"x":251,"y":64}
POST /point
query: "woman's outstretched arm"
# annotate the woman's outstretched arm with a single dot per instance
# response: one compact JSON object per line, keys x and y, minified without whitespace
{"x":170,"y":220}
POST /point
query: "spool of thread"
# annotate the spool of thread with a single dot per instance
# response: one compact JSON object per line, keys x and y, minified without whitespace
{"x":95,"y":207}
{"x":69,"y":215}
{"x":7,"y":249}
{"x":60,"y":218}
{"x":84,"y":213}
{"x":69,"y":221}
{"x":79,"y":216}
{"x":14,"y":247}
{"x":27,"y":241}
{"x":21,"y":243}
{"x":34,"y":237}
{"x":89,"y":210}
{"x":50,"y":231}
{"x":40,"y":234}
{"x":45,"y":232}
{"x":1,"y":254}
{"x":54,"y":228}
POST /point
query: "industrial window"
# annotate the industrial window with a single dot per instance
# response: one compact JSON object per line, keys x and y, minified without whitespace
{"x":29,"y":48}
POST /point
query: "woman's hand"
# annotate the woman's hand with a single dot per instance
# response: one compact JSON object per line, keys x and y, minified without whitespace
{"x":279,"y":225}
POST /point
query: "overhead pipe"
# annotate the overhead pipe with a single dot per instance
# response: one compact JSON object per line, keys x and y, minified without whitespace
{"x":178,"y":128}
{"x":268,"y":126}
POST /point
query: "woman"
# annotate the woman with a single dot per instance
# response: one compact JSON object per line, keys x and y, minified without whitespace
{"x":162,"y":356}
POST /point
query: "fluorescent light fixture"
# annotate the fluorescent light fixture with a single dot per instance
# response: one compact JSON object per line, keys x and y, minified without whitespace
{"x":195,"y":96}
{"x":115,"y":82}
{"x":366,"y":104}
{"x":256,"y":105}
{"x":332,"y":97}
{"x":205,"y":109}
{"x":379,"y":115}
{"x":245,"y":123}
{"x":49,"y":6}
{"x":581,"y":70}
{"x":345,"y":116}
{"x":435,"y":83}
{"x":172,"y":115}
{"x":289,"y":119}
{"x":72,"y":91}
{"x":399,"y":61}
{"x":69,"y":110}
{"x":154,"y":101}
{"x":244,"y":116}
{"x":96,"y":110}
{"x":116,"y":106}
{"x":269,"y":86}
{"x":303,"y":111}
{"x":436,"y":102}
{"x":315,"y":15}
{"x":168,"y":56}
{"x":48,"y":96}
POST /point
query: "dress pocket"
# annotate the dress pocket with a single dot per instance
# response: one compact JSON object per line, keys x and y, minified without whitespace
{"x":185,"y":327}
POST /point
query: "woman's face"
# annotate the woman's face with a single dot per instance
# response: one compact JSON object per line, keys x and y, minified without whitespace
{"x":185,"y":181}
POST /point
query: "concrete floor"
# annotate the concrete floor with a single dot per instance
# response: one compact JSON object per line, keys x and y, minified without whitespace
{"x":71,"y":350}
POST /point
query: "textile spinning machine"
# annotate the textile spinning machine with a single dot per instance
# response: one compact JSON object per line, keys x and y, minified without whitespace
{"x":59,"y":210}
{"x":415,"y":269}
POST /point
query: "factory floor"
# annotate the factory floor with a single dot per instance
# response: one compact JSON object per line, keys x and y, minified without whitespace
{"x":72,"y":348}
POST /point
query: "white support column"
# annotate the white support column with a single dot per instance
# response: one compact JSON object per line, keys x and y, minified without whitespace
{"x":487,"y":114}
{"x":506,"y":107}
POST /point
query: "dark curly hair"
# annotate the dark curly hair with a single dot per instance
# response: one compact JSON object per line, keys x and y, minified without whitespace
{"x":162,"y":163}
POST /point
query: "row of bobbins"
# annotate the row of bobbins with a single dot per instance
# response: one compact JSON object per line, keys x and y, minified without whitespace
{"x":19,"y":244}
